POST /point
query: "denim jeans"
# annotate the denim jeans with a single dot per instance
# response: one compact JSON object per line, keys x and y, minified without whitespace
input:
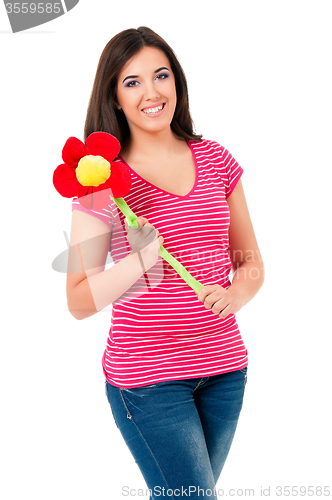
{"x":180,"y":431}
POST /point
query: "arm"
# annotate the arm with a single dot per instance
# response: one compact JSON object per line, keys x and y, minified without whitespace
{"x":89,"y":287}
{"x":243,"y":249}
{"x":246,"y":261}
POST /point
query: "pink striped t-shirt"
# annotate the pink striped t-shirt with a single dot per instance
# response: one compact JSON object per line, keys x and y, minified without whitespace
{"x":159,"y":329}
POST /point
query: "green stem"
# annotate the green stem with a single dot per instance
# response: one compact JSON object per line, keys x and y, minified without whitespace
{"x":179,"y":268}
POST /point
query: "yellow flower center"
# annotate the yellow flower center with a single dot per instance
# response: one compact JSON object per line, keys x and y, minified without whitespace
{"x":93,"y":170}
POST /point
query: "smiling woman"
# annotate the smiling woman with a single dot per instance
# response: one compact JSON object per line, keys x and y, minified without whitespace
{"x":175,"y":363}
{"x":117,"y":72}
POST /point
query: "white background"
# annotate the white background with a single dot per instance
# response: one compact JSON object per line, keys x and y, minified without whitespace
{"x":259,"y":78}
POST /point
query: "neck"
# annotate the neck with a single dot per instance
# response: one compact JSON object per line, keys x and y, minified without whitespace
{"x":152,"y":144}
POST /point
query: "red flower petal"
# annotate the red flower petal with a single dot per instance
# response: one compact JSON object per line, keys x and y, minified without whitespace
{"x":65,"y":181}
{"x":91,"y":197}
{"x":73,"y":151}
{"x":95,"y":198}
{"x":120,"y":179}
{"x":103,"y":144}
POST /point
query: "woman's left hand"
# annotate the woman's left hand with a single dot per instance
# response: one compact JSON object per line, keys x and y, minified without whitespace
{"x":222,"y":302}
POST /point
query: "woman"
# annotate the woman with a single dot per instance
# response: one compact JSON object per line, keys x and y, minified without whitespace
{"x":175,"y":363}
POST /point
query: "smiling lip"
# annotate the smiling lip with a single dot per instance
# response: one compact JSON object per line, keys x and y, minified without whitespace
{"x":154,"y":115}
{"x":153,"y":105}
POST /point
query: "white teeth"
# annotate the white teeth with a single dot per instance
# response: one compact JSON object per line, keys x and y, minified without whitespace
{"x":153,"y":110}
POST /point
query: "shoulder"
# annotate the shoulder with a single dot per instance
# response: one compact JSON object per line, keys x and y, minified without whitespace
{"x":209,"y":147}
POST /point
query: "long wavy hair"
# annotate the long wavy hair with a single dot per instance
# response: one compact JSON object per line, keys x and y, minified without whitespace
{"x":103,"y":114}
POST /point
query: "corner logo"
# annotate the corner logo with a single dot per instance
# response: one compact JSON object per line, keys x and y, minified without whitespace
{"x":25,"y":15}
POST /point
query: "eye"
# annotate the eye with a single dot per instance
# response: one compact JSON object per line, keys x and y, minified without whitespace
{"x":129,"y":83}
{"x":163,"y":75}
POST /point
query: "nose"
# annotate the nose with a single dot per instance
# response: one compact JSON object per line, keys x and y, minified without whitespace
{"x":151,"y":91}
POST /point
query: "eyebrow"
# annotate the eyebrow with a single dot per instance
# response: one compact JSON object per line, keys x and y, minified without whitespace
{"x":136,"y":76}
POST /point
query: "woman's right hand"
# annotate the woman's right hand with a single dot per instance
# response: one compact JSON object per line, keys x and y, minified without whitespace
{"x":146,"y":240}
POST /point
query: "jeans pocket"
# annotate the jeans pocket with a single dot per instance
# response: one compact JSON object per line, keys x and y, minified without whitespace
{"x":141,"y":387}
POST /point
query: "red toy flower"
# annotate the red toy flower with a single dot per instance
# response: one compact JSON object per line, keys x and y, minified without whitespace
{"x":90,"y":172}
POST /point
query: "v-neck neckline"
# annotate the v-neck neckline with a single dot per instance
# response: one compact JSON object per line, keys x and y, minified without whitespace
{"x":163,"y":190}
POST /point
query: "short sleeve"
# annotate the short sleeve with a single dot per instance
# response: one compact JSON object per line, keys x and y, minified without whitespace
{"x":106,"y":214}
{"x":227,"y":167}
{"x":233,"y":172}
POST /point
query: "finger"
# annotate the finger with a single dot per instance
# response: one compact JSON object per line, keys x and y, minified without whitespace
{"x":133,"y":230}
{"x":150,"y":232}
{"x":127,"y":225}
{"x":225,"y":312}
{"x":218,"y":306}
{"x":142,"y":220}
{"x":154,"y":234}
{"x":217,"y":302}
{"x":213,"y":303}
{"x":205,"y":291}
{"x":202,"y":293}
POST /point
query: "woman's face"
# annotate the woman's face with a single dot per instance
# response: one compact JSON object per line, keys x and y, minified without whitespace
{"x":144,"y":83}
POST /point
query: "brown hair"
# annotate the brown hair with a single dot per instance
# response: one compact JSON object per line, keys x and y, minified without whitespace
{"x":103,"y":115}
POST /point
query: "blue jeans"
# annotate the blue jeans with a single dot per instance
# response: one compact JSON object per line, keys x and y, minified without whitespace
{"x":180,"y":431}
